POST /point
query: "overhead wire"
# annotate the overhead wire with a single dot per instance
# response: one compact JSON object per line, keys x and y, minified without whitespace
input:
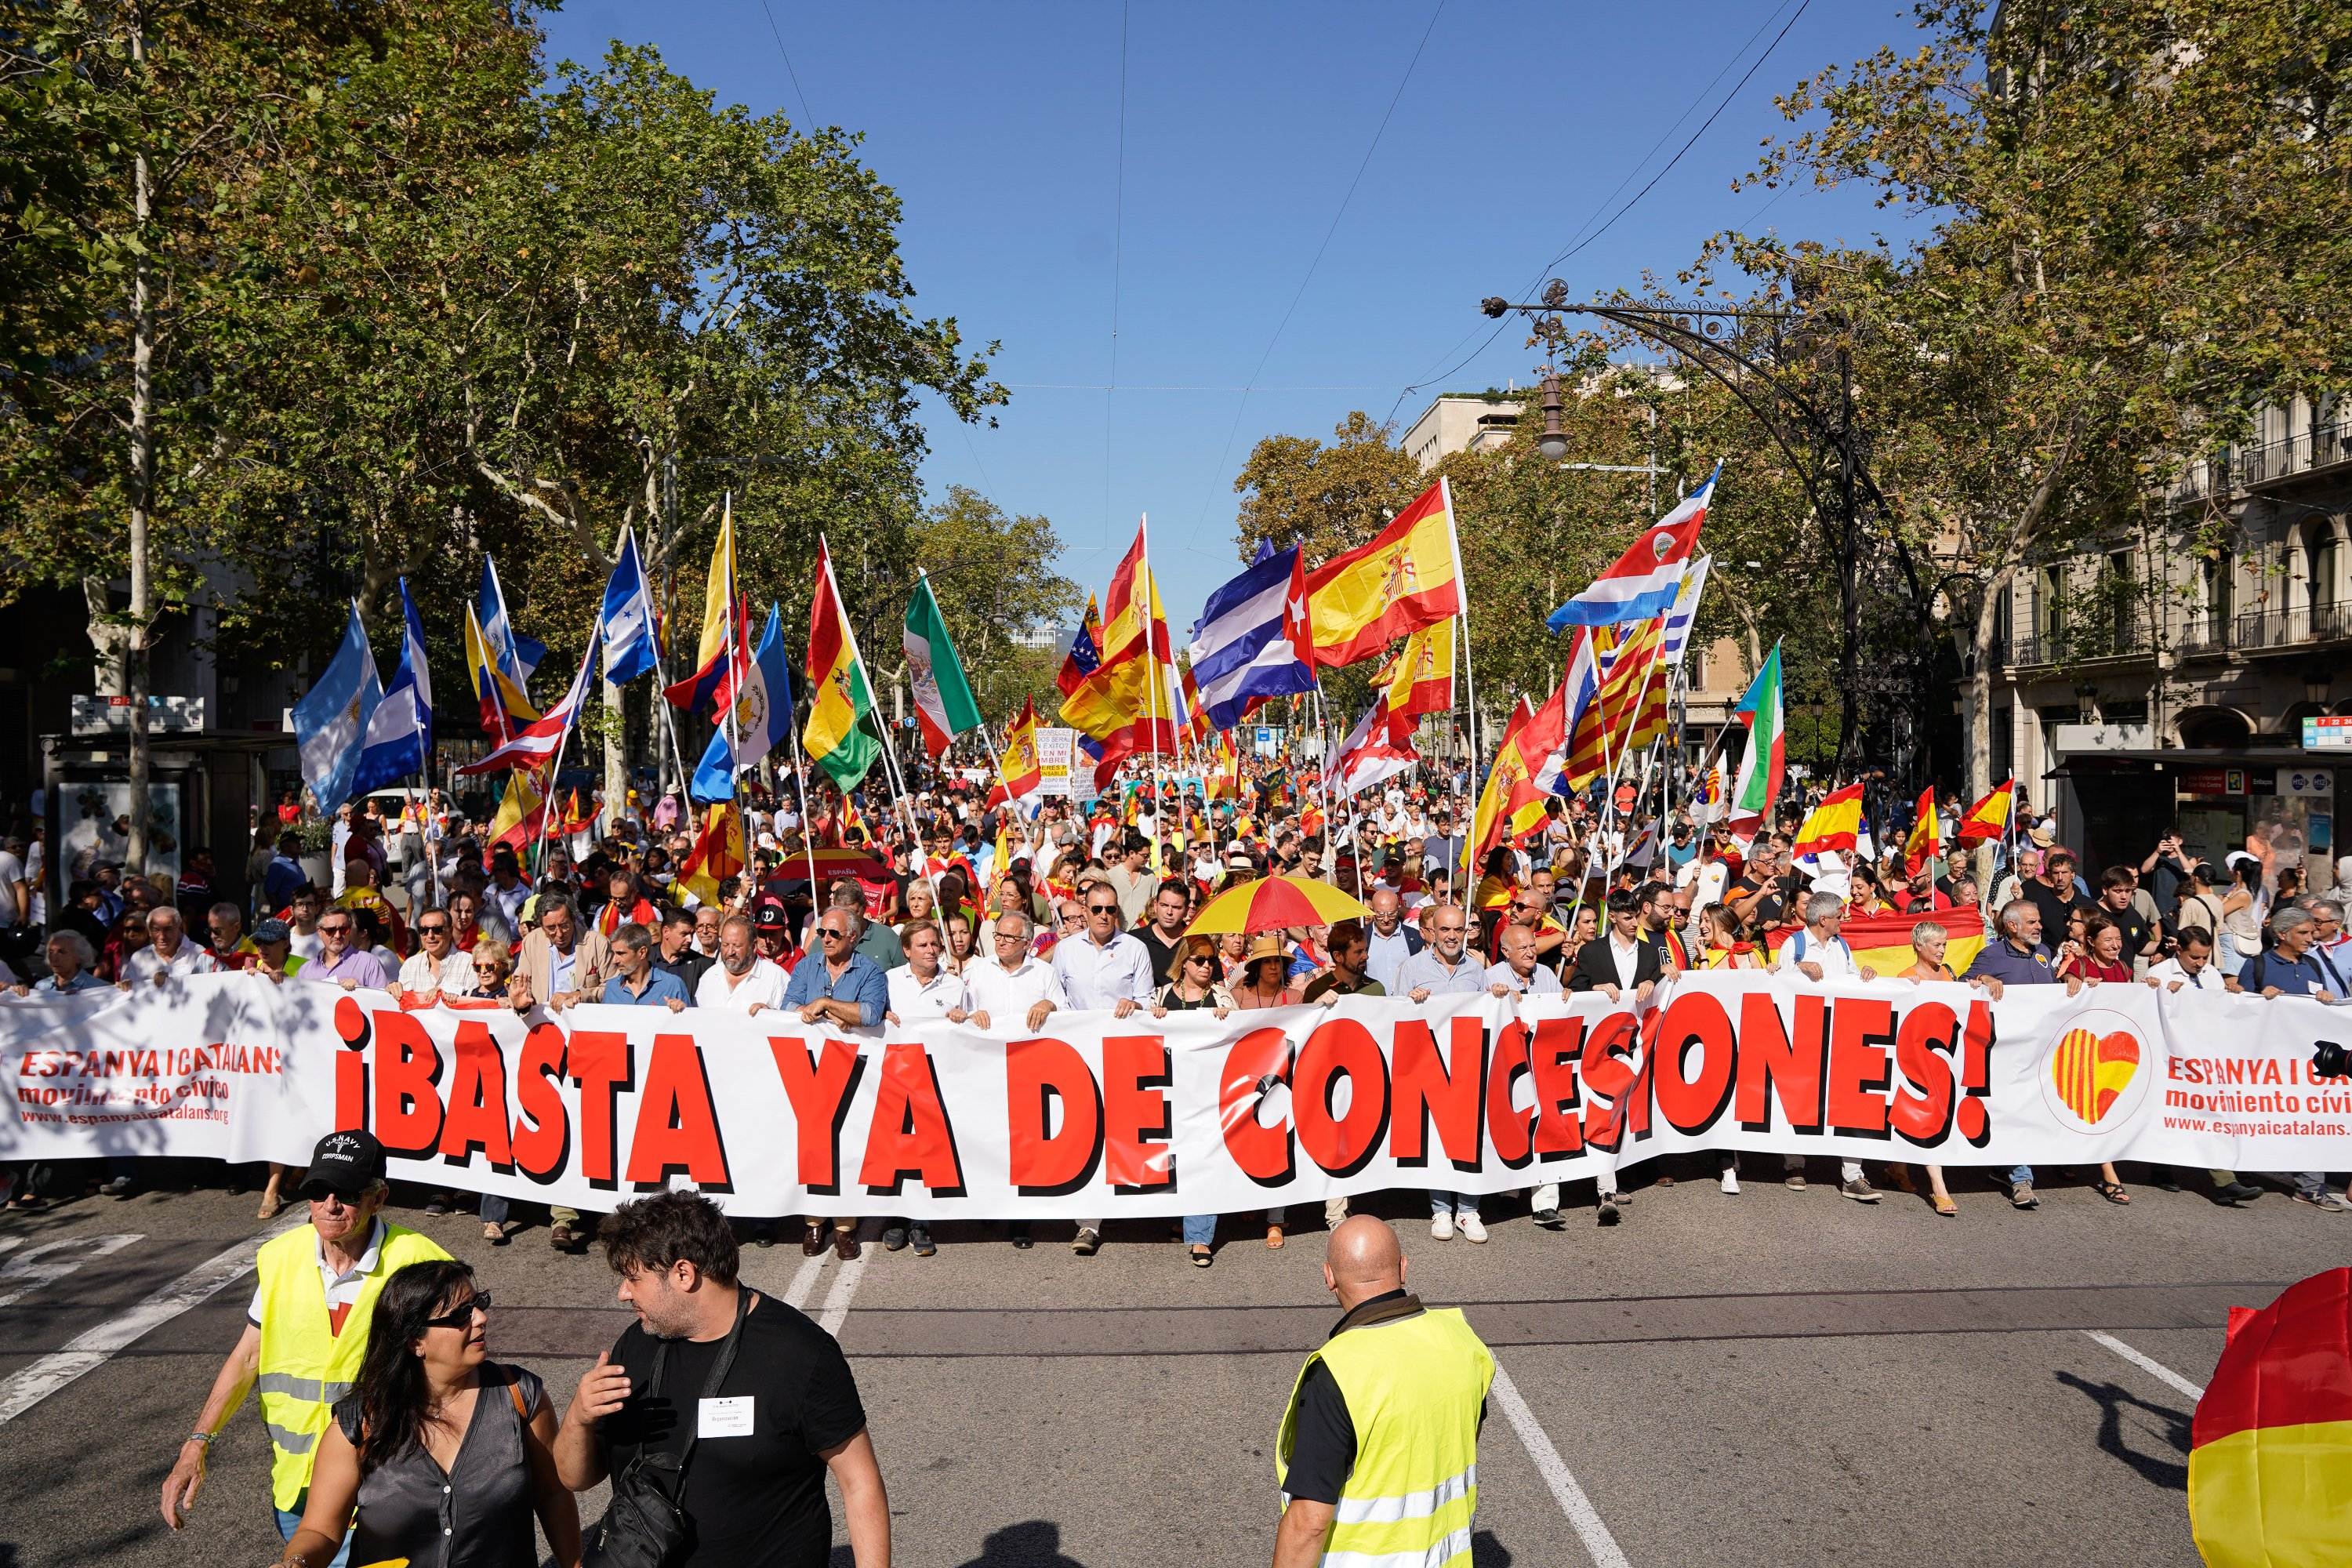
{"x":1118,"y":258}
{"x":808,"y":115}
{"x":1581,"y":240}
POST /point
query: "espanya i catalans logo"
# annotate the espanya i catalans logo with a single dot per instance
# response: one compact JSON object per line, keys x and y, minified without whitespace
{"x":2097,"y":1071}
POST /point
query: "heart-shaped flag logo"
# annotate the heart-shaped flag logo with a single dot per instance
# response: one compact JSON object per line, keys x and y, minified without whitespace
{"x":2091,"y":1070}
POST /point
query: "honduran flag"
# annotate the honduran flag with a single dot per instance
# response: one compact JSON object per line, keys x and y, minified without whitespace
{"x":1646,"y":578}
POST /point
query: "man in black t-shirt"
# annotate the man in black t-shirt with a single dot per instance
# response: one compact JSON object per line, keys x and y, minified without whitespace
{"x":785,"y":1414}
{"x":2054,"y":894}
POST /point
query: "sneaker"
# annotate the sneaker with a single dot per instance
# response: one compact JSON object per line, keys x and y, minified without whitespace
{"x":1859,"y":1190}
{"x":1794,"y":1181}
{"x":2330,"y":1202}
{"x":1549,"y":1219}
{"x":1473,"y":1227}
{"x":1609,"y":1213}
{"x":2020,"y":1196}
{"x":1731,"y":1183}
{"x":894,"y":1237}
{"x":1087,"y":1242}
{"x":1441,"y":1225}
{"x":120,"y":1187}
{"x":920,"y":1236}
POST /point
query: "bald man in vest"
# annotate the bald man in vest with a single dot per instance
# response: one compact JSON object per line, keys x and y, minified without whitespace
{"x":1377,"y":1454}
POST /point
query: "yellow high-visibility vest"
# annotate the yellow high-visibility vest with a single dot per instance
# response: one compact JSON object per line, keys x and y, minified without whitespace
{"x":1414,"y":1387}
{"x":306,"y":1366}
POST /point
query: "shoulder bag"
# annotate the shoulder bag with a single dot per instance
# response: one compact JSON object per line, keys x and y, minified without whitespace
{"x":646,"y":1525}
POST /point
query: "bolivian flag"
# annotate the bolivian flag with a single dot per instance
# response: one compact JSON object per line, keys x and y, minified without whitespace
{"x":841,"y":696}
{"x":2270,"y":1462}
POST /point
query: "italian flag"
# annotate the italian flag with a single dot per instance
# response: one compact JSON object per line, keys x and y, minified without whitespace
{"x":943,"y":704}
{"x":1760,"y":770}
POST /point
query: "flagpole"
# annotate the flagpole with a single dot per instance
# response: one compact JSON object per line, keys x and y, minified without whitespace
{"x":1469,"y":678}
{"x":1151,"y":587}
{"x":424,"y":836}
{"x":733,"y":679}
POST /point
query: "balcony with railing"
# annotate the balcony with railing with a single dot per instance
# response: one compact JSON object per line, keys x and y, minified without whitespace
{"x":2314,"y":450}
{"x":2201,"y":634}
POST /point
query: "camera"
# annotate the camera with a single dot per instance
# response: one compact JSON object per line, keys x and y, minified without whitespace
{"x":2329,"y":1059}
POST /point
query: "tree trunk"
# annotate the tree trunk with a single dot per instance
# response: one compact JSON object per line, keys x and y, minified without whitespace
{"x":135,"y":673}
{"x":616,"y":764}
{"x":1976,"y":710}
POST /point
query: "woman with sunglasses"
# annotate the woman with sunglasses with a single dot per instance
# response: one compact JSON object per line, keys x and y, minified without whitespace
{"x":1194,"y":986}
{"x":443,"y":1455}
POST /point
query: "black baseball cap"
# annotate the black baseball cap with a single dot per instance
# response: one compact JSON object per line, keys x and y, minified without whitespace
{"x":344,"y":1163}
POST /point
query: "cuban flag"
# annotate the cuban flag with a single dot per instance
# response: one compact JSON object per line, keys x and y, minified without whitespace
{"x":331,"y":722}
{"x":1252,"y":640}
{"x":763,"y":719}
{"x":627,"y":618}
{"x":1646,"y":578}
{"x":400,"y":732}
{"x":1583,"y":683}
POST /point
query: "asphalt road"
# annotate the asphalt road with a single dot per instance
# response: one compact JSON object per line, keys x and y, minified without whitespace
{"x":1779,"y":1377}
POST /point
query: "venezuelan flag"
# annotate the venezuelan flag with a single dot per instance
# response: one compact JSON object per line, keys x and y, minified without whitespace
{"x":2270,"y":1457}
{"x":841,"y":697}
{"x":504,"y":707}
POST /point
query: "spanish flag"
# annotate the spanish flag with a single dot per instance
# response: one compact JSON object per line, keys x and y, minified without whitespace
{"x":717,"y":854}
{"x":1510,"y":784}
{"x":522,"y":809}
{"x":1988,"y":818}
{"x":1925,"y":841}
{"x":1834,"y":824}
{"x":1018,"y":771}
{"x":2270,"y":1457}
{"x":1224,"y":780}
{"x":1882,"y":943}
{"x":1407,"y":577}
{"x":1419,"y":680}
{"x":1131,"y":609}
{"x":840,"y":696}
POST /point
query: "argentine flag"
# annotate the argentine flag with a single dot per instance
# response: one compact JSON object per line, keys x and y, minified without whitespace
{"x":330,"y":723}
{"x":763,"y":719}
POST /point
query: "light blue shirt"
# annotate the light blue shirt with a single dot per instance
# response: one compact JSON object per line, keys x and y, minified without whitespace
{"x":1425,"y":971}
{"x":861,"y":981}
{"x":661,"y":988}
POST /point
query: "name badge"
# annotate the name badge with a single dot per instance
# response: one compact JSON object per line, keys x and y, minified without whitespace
{"x":724,"y":1418}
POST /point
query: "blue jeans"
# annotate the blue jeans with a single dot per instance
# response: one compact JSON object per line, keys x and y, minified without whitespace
{"x":494,"y":1209}
{"x":1200,"y":1229}
{"x":1452,"y":1203}
{"x":287,"y":1524}
{"x":2022,"y":1174}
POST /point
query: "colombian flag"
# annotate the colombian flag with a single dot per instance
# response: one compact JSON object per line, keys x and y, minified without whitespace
{"x":719,"y":659}
{"x":2270,"y":1460}
{"x":504,"y":707}
{"x":1834,"y":824}
{"x":840,"y":696}
{"x":1409,"y":576}
{"x":1988,"y":818}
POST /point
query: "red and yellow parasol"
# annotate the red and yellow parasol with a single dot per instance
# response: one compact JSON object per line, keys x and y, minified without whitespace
{"x":1273,"y":903}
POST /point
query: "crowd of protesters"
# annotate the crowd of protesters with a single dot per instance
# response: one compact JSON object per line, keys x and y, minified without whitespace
{"x":941,"y":909}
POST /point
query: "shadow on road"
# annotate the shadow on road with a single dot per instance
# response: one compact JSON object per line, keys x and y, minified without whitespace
{"x":2173,"y":1426}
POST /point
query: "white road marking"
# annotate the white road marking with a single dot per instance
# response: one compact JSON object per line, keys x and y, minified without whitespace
{"x":91,"y":1349}
{"x":2149,"y":1364}
{"x":844,"y":1286}
{"x":796,"y":1294}
{"x":36,"y":1267}
{"x":1582,"y":1515}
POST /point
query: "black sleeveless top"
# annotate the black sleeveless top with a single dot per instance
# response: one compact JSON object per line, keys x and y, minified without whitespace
{"x":475,"y":1515}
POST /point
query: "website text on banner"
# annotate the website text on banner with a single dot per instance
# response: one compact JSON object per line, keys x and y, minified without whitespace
{"x":1189,"y":1113}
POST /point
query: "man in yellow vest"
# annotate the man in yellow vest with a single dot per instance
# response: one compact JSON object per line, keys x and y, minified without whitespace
{"x":307,"y":1331}
{"x":1377,"y":1454}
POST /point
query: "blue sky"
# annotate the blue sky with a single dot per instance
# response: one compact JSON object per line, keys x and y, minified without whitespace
{"x":1000,"y":126}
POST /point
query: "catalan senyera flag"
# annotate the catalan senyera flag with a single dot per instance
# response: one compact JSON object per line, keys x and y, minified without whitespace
{"x":2269,"y":1456}
{"x":1833,"y":824}
{"x":1018,"y":771}
{"x":1407,"y":577}
{"x":717,"y":855}
{"x":1630,"y":710}
{"x":1419,"y":680}
{"x":1987,"y":819}
{"x":1132,"y":608}
{"x":839,"y":695}
{"x":1926,"y":842}
{"x":1882,"y":943}
{"x":719,"y":657}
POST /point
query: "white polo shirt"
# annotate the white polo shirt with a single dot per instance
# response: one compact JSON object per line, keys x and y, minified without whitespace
{"x":1006,"y":996}
{"x":915,"y":1001}
{"x":762,"y":985}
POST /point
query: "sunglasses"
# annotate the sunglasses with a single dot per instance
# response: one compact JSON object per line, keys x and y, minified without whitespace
{"x":338,"y":929}
{"x":436,"y":925}
{"x":832,"y":935}
{"x":1102,"y":908}
{"x":461,"y":1317}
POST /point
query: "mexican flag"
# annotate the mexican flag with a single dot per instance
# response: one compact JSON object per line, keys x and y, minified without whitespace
{"x":943,"y":704}
{"x":1760,"y":770}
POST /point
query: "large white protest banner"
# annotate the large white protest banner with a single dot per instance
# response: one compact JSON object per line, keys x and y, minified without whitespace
{"x":1189,"y":1113}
